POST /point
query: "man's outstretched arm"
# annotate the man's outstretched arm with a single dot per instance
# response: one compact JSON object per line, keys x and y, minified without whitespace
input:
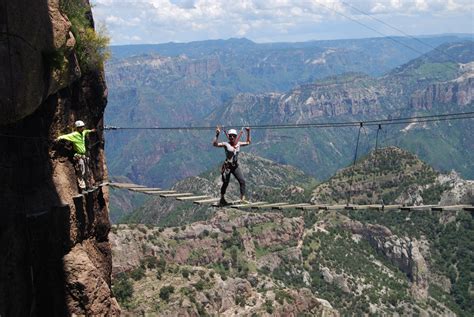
{"x":248,"y":138}
{"x":214,"y":142}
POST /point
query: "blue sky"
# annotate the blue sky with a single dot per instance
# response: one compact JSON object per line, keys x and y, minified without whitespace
{"x":161,"y":21}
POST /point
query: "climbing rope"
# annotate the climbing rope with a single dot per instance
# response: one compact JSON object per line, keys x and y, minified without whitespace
{"x":375,"y":158}
{"x":420,"y":119}
{"x":389,"y":121}
{"x":353,"y":164}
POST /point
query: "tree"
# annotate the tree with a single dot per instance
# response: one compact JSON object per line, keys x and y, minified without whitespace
{"x":165,"y":292}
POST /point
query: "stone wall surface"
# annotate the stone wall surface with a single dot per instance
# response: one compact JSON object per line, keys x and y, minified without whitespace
{"x":55,"y":257}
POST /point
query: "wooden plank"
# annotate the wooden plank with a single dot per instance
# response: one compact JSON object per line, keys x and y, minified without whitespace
{"x":290,"y":206}
{"x":269,"y":205}
{"x":417,"y":208}
{"x":91,"y":190}
{"x":392,"y":207}
{"x":142,"y":189}
{"x":351,"y":207}
{"x":176,"y":195}
{"x":249,"y":205}
{"x":228,"y":205}
{"x":384,"y":207}
{"x":193,"y":197}
{"x":336,"y":207}
{"x":159,"y":192}
{"x":450,"y":208}
{"x":375,"y":207}
{"x":206,"y":201}
{"x":361,"y":207}
{"x":125,"y":185}
{"x":313,"y":207}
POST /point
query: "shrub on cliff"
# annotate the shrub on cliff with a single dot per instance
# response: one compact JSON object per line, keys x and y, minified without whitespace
{"x":91,"y":45}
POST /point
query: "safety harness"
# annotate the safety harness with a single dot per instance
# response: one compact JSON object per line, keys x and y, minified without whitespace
{"x":230,"y":164}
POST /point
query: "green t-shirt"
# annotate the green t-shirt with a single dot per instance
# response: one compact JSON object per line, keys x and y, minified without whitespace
{"x":78,"y":140}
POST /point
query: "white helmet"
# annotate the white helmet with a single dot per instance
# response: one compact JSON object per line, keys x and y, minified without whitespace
{"x":232,"y":131}
{"x":79,"y":124}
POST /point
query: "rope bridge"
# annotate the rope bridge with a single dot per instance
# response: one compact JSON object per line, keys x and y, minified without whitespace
{"x":262,"y":205}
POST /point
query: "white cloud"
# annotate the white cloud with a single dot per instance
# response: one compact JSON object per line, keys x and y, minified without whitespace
{"x":186,"y":20}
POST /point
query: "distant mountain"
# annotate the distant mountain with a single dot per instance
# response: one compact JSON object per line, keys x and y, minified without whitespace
{"x":372,"y":46}
{"x":413,"y":89}
{"x":232,"y":86}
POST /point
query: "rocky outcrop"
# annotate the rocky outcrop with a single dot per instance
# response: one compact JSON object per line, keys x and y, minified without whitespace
{"x":229,"y":239}
{"x":54,"y":243}
{"x":402,"y":251}
{"x":203,"y":243}
{"x":353,"y":95}
{"x":29,"y":46}
{"x":459,"y":191}
{"x":459,"y":91}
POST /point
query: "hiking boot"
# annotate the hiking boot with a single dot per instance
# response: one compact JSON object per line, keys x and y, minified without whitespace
{"x":243,"y":200}
{"x":223,"y":202}
{"x":81,"y":183}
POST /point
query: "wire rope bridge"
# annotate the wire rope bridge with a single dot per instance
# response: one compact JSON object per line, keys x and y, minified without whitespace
{"x":213,"y":201}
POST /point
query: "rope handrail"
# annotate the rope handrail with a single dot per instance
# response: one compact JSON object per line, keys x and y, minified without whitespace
{"x":375,"y":122}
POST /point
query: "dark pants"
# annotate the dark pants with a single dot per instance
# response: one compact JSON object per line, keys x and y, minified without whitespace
{"x":81,"y":164}
{"x":226,"y":178}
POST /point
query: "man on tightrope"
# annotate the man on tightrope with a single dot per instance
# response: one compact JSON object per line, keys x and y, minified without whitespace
{"x":81,"y":161}
{"x":231,"y":165}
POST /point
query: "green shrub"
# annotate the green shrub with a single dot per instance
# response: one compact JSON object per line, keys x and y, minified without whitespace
{"x":200,"y":285}
{"x":150,"y":262}
{"x":91,"y":45}
{"x":138,"y":273}
{"x":185,"y":273}
{"x":282,"y":297}
{"x":240,"y":300}
{"x":269,"y":306}
{"x":165,"y":292}
{"x":122,"y":288}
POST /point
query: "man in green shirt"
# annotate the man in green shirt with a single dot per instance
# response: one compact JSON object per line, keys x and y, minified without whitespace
{"x":78,"y":140}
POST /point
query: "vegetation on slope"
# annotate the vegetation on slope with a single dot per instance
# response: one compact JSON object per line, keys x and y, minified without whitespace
{"x":277,"y":254}
{"x":92,"y":46}
{"x":382,"y":176}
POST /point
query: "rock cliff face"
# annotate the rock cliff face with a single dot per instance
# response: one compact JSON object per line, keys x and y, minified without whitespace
{"x":403,"y":252}
{"x":55,"y":255}
{"x":354,"y":95}
{"x":200,"y":260}
{"x":459,"y":91}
